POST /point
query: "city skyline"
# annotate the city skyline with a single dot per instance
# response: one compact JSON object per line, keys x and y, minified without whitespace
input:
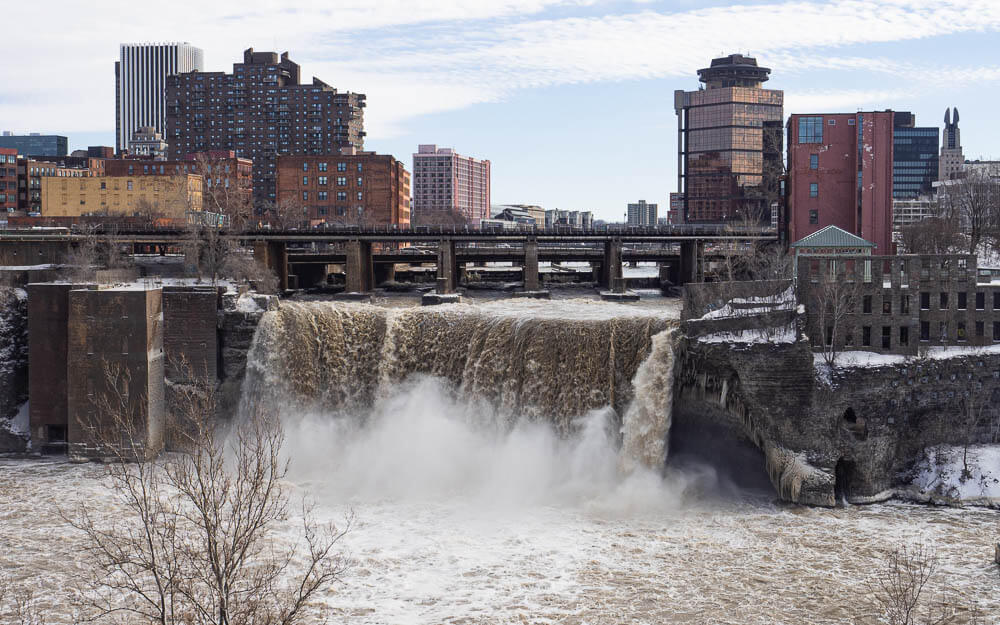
{"x":547,"y":90}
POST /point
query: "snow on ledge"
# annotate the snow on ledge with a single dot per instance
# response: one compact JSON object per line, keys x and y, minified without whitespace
{"x":785,"y":334}
{"x":859,"y":359}
{"x":940,"y":475}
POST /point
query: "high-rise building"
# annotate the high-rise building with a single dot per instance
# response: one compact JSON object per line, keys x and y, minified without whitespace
{"x":574,"y":219}
{"x":915,"y":158}
{"x":447,"y":185}
{"x":35,"y":144}
{"x":729,"y":142}
{"x":141,"y":82}
{"x":8,"y":180}
{"x":349,"y":187}
{"x":952,"y":160}
{"x":642,"y":214}
{"x":261,"y":111}
{"x":840,"y":172}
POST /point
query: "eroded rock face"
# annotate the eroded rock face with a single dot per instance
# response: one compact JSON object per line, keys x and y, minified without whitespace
{"x":13,"y":364}
{"x":845,"y":435}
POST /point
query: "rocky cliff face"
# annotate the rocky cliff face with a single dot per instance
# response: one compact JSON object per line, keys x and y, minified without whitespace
{"x":13,"y":365}
{"x":846,"y":434}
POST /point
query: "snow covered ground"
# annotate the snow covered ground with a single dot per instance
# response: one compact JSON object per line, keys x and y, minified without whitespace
{"x":947,"y":474}
{"x":851,"y":359}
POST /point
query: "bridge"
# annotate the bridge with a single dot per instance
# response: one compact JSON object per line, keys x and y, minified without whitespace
{"x":292,"y":251}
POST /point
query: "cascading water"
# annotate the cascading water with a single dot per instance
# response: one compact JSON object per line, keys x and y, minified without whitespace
{"x":549,"y":363}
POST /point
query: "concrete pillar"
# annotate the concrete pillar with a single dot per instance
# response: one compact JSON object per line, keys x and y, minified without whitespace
{"x":531,"y":281}
{"x":360,"y":272}
{"x":274,"y":256}
{"x":385,"y":272}
{"x":690,"y":270}
{"x":447,"y":267}
{"x":611,"y":267}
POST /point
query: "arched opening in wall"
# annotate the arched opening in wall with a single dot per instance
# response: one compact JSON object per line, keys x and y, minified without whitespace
{"x":844,"y":474}
{"x":850,"y":416}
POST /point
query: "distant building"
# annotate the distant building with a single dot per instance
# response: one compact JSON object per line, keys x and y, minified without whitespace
{"x":148,"y":143}
{"x":8,"y":180}
{"x":840,"y":173}
{"x":31,"y":171}
{"x":952,"y":159}
{"x":729,"y":142}
{"x":574,"y":219}
{"x":261,"y":111}
{"x":676,"y":213}
{"x":154,"y":196}
{"x":642,"y":214}
{"x":447,"y":184}
{"x":140,"y":79}
{"x":35,"y":144}
{"x":905,"y":212}
{"x":521,"y":213}
{"x":915,"y":158}
{"x":349,"y":187}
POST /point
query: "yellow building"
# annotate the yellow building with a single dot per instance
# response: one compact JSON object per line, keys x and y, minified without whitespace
{"x":156,"y":196}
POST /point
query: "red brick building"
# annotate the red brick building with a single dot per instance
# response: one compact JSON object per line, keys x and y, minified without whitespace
{"x":840,"y":174}
{"x":8,"y":180}
{"x":362,"y":188}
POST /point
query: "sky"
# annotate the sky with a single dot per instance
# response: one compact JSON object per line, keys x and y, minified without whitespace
{"x":570,"y":100}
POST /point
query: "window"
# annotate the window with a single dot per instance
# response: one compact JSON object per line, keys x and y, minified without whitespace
{"x":850,"y":122}
{"x":342,"y":196}
{"x":996,"y":300}
{"x":814,"y":161}
{"x":810,"y":130}
{"x":104,"y":185}
{"x":904,"y":335}
{"x":943,"y":330}
{"x":829,"y":335}
{"x":341,"y":166}
{"x":904,"y":305}
{"x":961,"y":331}
{"x":305,"y":180}
{"x":980,"y":329}
{"x":813,"y":189}
{"x":996,"y":330}
{"x":886,"y":337}
{"x":322,"y":181}
{"x":341,"y":181}
{"x":866,"y":336}
{"x":359,"y":168}
{"x":831,"y":122}
{"x":321,"y":195}
{"x":962,"y":300}
{"x":814,"y":217}
{"x":360,"y":181}
{"x":305,"y":196}
{"x":305,"y":166}
{"x":886,"y":304}
{"x":944,"y":302}
{"x":321,"y":167}
{"x":925,"y":301}
{"x":866,"y":304}
{"x":925,"y":330}
{"x":359,"y":196}
{"x":980,"y":300}
{"x":128,"y":185}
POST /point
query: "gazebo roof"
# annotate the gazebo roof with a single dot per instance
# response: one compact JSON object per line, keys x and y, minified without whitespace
{"x":832,"y":236}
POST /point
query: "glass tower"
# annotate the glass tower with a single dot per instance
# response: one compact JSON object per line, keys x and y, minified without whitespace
{"x":915,"y":158}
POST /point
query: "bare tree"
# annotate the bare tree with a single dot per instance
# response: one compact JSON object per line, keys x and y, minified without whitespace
{"x":834,"y":297}
{"x":19,"y":605}
{"x":974,"y":202}
{"x":898,"y":591}
{"x":194,"y":542}
{"x":96,"y":248}
{"x":933,"y":235}
{"x":226,"y":191}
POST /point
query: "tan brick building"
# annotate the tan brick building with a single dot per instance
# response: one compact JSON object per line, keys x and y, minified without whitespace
{"x":168,"y":196}
{"x":361,"y":188}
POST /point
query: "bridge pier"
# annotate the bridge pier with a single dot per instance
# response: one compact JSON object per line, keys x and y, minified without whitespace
{"x":691,"y":259}
{"x":273,"y":255}
{"x":360,"y":273}
{"x":447,"y":267}
{"x":611,"y":266}
{"x":531,"y":281}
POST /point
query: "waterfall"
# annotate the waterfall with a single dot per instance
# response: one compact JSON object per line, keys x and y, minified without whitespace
{"x":554,"y":362}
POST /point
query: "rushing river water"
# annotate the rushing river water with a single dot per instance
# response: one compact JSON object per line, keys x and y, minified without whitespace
{"x":476,"y":507}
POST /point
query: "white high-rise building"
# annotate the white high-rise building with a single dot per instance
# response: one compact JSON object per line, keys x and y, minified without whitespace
{"x":642,"y":214}
{"x":141,"y":84}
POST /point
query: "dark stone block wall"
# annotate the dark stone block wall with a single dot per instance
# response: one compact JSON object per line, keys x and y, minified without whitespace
{"x":13,"y":362}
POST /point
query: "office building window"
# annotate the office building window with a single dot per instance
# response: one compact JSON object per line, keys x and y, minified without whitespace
{"x":321,"y":195}
{"x":813,"y":217}
{"x":341,"y":166}
{"x":305,"y":180}
{"x":305,"y":196}
{"x":305,"y":166}
{"x":813,"y":189}
{"x":321,"y":166}
{"x":810,"y":130}
{"x":322,"y":180}
{"x":341,"y":181}
{"x":814,"y":161}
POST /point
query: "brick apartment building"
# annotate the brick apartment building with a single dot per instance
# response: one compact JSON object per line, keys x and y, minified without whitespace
{"x":840,"y":172}
{"x":32,"y":170}
{"x":349,"y":187}
{"x":728,"y":143}
{"x":228,"y":180}
{"x":154,"y":196}
{"x":260,"y":111}
{"x":8,"y":180}
{"x":447,"y":184}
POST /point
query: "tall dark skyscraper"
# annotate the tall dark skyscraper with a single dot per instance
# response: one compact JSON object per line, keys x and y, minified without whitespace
{"x":729,"y":142}
{"x":260,"y":111}
{"x":915,"y":157}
